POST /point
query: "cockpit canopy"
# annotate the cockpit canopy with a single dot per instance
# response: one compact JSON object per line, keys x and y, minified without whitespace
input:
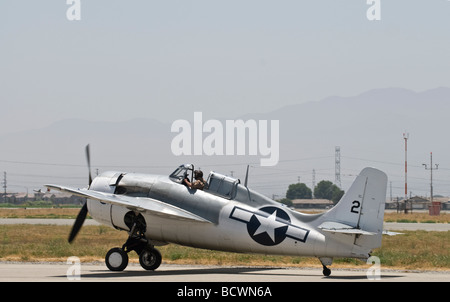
{"x":216,"y":183}
{"x":222,"y":185}
{"x":182,"y":172}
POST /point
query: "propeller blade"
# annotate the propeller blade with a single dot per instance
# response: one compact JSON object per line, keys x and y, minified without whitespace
{"x":78,"y":222}
{"x":88,"y":157}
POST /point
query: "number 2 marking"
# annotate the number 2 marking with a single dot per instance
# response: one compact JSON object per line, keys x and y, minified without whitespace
{"x":356,"y":204}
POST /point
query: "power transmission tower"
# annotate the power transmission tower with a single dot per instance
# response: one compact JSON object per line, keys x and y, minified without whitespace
{"x":4,"y":186}
{"x":314,"y":178}
{"x":337,"y":166}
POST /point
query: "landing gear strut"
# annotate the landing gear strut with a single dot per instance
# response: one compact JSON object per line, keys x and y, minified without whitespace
{"x":326,"y":261}
{"x":150,"y":258}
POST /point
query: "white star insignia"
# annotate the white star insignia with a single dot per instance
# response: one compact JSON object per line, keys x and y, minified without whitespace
{"x":268,"y":225}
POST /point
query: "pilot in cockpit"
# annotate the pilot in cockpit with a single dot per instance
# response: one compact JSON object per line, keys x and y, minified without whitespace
{"x":199,"y":182}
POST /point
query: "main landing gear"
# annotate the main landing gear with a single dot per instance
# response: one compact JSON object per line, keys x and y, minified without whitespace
{"x":150,"y":258}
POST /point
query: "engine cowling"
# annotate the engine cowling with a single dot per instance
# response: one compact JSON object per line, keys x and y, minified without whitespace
{"x":106,"y":213}
{"x":113,"y":215}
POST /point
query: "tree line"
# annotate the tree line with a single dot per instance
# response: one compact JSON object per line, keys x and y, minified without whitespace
{"x":323,"y":190}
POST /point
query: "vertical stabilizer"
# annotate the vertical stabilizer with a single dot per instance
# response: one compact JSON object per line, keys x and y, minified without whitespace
{"x":361,"y":210}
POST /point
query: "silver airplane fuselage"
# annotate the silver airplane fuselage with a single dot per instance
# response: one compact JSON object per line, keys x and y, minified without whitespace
{"x":228,"y":216}
{"x":241,"y":221}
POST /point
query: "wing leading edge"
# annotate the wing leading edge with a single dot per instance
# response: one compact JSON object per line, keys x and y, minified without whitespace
{"x":139,"y":204}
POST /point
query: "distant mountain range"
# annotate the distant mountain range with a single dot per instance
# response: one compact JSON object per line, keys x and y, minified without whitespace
{"x":368,"y":127}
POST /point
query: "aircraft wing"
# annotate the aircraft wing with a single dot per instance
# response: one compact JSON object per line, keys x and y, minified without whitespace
{"x":140,"y":204}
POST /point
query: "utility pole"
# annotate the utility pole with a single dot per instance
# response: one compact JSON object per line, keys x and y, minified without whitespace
{"x":406,"y":137}
{"x":313,"y":181}
{"x":431,"y":174}
{"x":390,"y":185}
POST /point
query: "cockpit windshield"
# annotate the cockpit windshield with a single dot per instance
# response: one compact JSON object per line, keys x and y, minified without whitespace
{"x":182,"y":172}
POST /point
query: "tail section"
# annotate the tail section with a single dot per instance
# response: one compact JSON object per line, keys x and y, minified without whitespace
{"x":361,"y":210}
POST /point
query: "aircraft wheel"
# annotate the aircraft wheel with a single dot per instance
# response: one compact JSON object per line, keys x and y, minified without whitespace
{"x":116,"y":259}
{"x":326,"y":271}
{"x":150,"y":258}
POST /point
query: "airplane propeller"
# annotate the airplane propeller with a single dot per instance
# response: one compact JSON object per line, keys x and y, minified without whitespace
{"x":84,"y":210}
{"x":88,"y":158}
{"x":78,"y":222}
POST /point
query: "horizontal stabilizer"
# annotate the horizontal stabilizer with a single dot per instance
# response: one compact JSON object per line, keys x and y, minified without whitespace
{"x":139,"y":204}
{"x":389,"y":233}
{"x":336,"y":227}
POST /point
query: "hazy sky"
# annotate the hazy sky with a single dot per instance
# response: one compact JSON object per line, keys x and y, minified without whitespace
{"x":166,"y":59}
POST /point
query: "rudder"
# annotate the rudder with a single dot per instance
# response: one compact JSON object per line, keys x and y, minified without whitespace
{"x":361,"y":209}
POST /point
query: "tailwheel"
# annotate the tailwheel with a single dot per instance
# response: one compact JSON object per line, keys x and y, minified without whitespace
{"x":326,"y":261}
{"x":150,"y":258}
{"x":326,"y":271}
{"x":116,"y":259}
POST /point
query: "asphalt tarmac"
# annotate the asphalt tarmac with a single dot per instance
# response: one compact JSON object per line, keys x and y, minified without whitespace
{"x":73,"y":272}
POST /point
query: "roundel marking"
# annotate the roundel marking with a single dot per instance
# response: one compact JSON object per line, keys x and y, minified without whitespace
{"x":269,"y":225}
{"x":268,"y":229}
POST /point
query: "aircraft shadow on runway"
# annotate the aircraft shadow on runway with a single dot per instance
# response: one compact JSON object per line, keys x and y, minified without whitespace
{"x":214,"y":271}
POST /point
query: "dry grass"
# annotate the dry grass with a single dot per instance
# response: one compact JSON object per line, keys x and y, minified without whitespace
{"x":66,"y":213}
{"x":417,"y":217}
{"x":418,"y":249}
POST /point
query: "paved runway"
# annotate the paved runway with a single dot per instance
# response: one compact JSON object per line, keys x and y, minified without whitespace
{"x":58,"y":272}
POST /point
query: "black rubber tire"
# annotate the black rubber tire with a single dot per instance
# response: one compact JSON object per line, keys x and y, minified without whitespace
{"x":150,"y":258}
{"x":116,"y":259}
{"x":326,"y":272}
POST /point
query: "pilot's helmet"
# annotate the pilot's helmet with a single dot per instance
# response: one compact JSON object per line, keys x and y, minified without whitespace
{"x":198,"y":174}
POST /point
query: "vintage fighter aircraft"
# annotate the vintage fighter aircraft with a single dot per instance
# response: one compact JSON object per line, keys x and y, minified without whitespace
{"x":228,"y":216}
